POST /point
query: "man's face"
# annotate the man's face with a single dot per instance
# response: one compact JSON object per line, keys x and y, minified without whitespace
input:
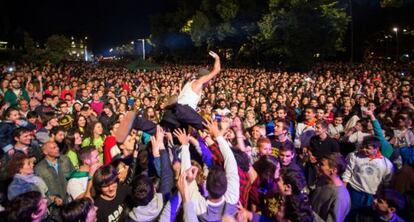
{"x":234,"y":110}
{"x":60,"y":136}
{"x":319,"y":130}
{"x":24,"y":105}
{"x":32,"y":120}
{"x":265,"y":149}
{"x":51,"y":150}
{"x":281,"y":114}
{"x":48,"y":101}
{"x":54,"y":122}
{"x":85,"y":93}
{"x":15,"y":84}
{"x":381,"y":206}
{"x":309,"y":114}
{"x":347,"y":107}
{"x":368,"y":151}
{"x":93,"y":158}
{"x":279,"y":129}
{"x":338,"y":121}
{"x":64,"y":108}
{"x":324,"y":169}
{"x":110,"y":190}
{"x":320,"y":114}
{"x":241,"y":112}
{"x":222,"y":104}
{"x":24,"y":138}
{"x":329,"y":107}
{"x":286,"y":157}
{"x":14,"y":115}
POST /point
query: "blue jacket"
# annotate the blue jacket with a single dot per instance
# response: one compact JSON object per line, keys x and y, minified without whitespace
{"x":19,"y":186}
{"x":6,"y":135}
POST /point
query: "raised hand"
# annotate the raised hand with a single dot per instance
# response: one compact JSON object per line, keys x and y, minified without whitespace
{"x":155,"y":147}
{"x":213,"y":129}
{"x":169,"y":137}
{"x":214,"y":55}
{"x":160,"y":136}
{"x":191,"y":174}
{"x":243,"y":215}
{"x":182,"y":136}
{"x":182,"y":186}
{"x":193,"y":141}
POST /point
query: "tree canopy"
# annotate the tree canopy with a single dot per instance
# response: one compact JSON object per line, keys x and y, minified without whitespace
{"x":293,"y":31}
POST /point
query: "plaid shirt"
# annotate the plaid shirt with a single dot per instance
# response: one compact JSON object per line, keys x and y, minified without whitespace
{"x":244,"y":176}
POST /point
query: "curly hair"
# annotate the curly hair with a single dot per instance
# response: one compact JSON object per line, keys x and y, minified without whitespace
{"x":16,"y":164}
{"x":77,"y":210}
{"x":298,"y":208}
{"x":23,"y":206}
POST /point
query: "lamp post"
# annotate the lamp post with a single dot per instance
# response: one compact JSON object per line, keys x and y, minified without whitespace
{"x":352,"y":31}
{"x":143,"y":48}
{"x":395,"y":29}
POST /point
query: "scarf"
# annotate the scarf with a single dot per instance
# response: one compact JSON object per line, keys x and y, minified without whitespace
{"x":311,"y":122}
{"x":376,"y":156}
{"x":33,"y":179}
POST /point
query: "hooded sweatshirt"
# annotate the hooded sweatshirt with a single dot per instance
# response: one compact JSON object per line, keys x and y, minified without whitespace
{"x":148,"y":212}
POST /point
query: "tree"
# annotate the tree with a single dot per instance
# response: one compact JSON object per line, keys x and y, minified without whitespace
{"x":296,"y":30}
{"x":32,"y":53}
{"x":57,"y":48}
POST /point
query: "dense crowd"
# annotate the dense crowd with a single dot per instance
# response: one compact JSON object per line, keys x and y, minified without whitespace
{"x":98,"y":142}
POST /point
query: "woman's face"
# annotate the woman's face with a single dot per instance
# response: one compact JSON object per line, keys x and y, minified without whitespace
{"x":230,"y":135}
{"x":122,"y":107}
{"x":122,"y":171}
{"x":123,"y":99}
{"x":77,"y":107}
{"x":256,"y":133}
{"x":250,"y":115}
{"x":5,"y":84}
{"x":98,"y":129}
{"x":30,"y":87}
{"x":81,"y":122}
{"x":78,"y":139}
{"x":282,"y":187}
{"x":358,"y":127}
{"x":27,"y":168}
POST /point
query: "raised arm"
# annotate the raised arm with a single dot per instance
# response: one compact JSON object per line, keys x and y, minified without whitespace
{"x":230,"y":165}
{"x":193,"y":192}
{"x":198,"y":84}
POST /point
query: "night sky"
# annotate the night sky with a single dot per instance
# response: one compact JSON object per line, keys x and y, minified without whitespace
{"x":106,"y":23}
{"x":109,"y":23}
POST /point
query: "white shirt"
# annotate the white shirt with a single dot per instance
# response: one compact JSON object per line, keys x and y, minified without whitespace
{"x":76,"y":187}
{"x":188,"y":96}
{"x":365,"y":174}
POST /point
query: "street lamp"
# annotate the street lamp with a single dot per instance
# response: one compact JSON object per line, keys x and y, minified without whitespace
{"x":143,"y":48}
{"x":395,"y":29}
